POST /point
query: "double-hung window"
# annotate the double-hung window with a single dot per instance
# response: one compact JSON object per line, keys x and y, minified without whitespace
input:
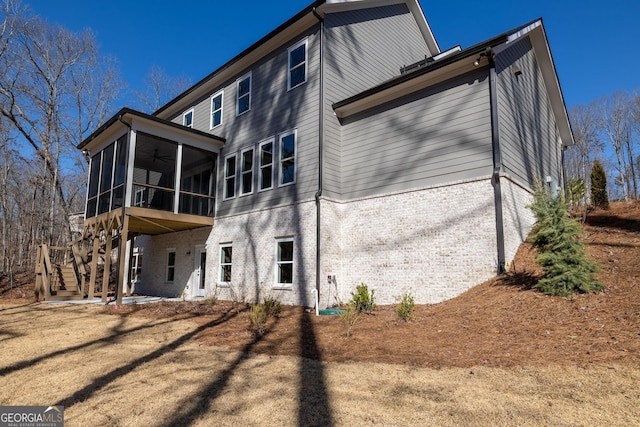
{"x":216,"y":109}
{"x":226,"y":257}
{"x":287,"y":158}
{"x":243,"y":94}
{"x":297,"y":65}
{"x":187,"y":119}
{"x":171,"y":265}
{"x":230,"y":177}
{"x":284,"y":262}
{"x":246,"y":171}
{"x":265,"y":158}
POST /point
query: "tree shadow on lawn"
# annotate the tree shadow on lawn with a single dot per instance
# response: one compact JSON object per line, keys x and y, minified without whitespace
{"x":604,"y":220}
{"x":112,"y":338}
{"x":313,"y":408}
{"x":101,"y":382}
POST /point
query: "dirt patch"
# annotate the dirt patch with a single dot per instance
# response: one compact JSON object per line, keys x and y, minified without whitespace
{"x":500,"y":323}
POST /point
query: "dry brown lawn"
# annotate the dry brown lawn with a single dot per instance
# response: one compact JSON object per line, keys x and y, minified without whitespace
{"x":134,"y":371}
{"x":501,"y":354}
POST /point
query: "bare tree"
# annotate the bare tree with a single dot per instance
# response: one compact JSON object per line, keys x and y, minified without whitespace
{"x":53,"y":90}
{"x":579,"y":158}
{"x":159,"y":89}
{"x":615,"y":122}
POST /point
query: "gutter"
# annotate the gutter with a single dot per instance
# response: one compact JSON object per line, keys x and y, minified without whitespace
{"x":320,"y":158}
{"x":468,"y":53}
{"x":309,"y":9}
{"x":497,"y":159}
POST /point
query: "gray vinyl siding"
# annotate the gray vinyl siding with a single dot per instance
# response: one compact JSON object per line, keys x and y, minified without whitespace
{"x":363,"y":48}
{"x":528,"y":132}
{"x":274,"y":111}
{"x":436,"y":136}
{"x":368,"y":46}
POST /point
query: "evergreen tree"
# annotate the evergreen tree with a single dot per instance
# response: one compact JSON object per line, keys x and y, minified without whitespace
{"x":561,"y":253}
{"x":599,"y":197}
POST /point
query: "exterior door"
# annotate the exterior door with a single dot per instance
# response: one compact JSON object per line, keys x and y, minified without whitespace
{"x":199,"y":271}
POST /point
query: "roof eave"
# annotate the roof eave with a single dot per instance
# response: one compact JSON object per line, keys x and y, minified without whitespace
{"x":298,"y":23}
{"x":458,"y":63}
{"x":125,"y":116}
{"x":403,"y":84}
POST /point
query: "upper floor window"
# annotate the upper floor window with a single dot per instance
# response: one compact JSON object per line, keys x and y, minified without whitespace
{"x":216,"y":109}
{"x":265,"y":160}
{"x":297,"y":64}
{"x":288,"y":158}
{"x":243,"y":97}
{"x":230,"y":177}
{"x":246,"y":171}
{"x":187,"y":119}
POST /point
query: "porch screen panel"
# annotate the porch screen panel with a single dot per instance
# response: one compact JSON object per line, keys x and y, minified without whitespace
{"x":154,"y":173}
{"x":197,"y":183}
{"x":104,"y":200}
{"x":94,"y":181}
{"x":117,"y":200}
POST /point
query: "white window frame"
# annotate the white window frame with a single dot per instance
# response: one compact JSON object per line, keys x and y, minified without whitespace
{"x":277,"y":283}
{"x":304,"y":64}
{"x":222,"y":264}
{"x":248,"y":172}
{"x":249,"y":76}
{"x":170,"y":266}
{"x":215,"y":95}
{"x":227,"y":177}
{"x":139,"y":197}
{"x":281,"y":160}
{"x":184,"y":118}
{"x":261,"y":166}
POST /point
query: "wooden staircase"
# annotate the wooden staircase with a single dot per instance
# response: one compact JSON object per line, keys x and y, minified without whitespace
{"x":58,"y":273}
{"x":72,"y":272}
{"x":68,"y":288}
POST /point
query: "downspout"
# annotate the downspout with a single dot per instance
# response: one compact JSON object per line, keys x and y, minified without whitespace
{"x":320,"y":158}
{"x":497,"y":160}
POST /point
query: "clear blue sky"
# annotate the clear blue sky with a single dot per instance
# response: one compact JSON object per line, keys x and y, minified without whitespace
{"x":594,"y":43}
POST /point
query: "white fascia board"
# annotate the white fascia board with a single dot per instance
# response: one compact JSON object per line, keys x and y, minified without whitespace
{"x":541,"y":49}
{"x":333,"y":6}
{"x":109,"y":135}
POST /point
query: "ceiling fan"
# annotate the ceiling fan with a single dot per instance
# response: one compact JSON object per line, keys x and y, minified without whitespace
{"x":160,"y":157}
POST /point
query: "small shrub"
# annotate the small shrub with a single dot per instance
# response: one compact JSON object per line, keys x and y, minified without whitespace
{"x":349,"y":318}
{"x":406,"y":307}
{"x":272,"y":306}
{"x":599,"y":197}
{"x":362,"y":300}
{"x":560,"y":250}
{"x":258,"y":320}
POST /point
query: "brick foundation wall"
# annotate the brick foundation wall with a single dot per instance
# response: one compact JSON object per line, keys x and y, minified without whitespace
{"x":434,"y":243}
{"x":518,"y":219}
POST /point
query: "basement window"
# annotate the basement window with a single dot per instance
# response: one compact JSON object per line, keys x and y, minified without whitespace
{"x":171,"y":265}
